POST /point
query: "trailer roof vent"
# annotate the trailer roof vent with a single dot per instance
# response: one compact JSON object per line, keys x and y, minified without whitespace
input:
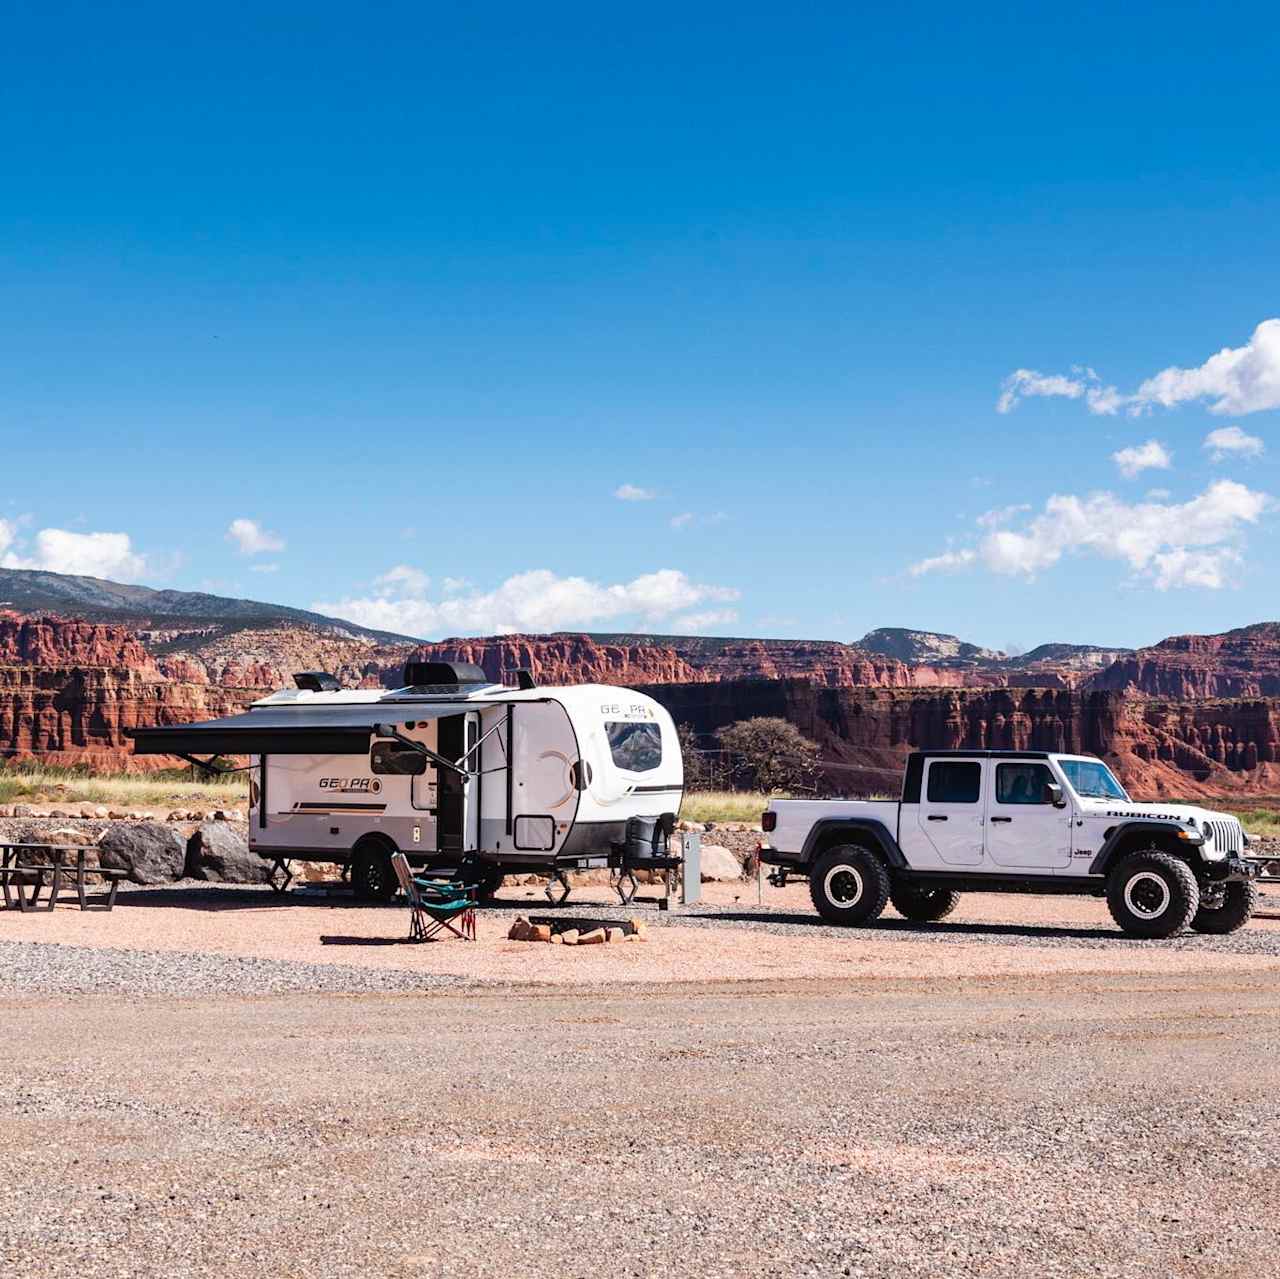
{"x":317,"y":681}
{"x":525,"y":681}
{"x":443,"y":674}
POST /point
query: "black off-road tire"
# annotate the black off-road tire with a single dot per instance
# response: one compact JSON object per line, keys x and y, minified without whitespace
{"x":923,"y":905}
{"x":1152,"y":894}
{"x":372,"y":875}
{"x":849,"y":885}
{"x":1239,"y":901}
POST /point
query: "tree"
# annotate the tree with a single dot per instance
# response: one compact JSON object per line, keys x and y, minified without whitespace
{"x":698,"y":771}
{"x":768,"y":754}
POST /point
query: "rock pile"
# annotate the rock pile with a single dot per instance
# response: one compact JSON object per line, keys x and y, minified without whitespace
{"x":599,"y":935}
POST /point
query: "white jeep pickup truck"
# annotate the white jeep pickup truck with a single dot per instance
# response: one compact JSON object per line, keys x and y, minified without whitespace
{"x":1014,"y":821}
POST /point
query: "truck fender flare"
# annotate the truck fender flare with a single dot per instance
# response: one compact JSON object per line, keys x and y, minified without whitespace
{"x":880,"y":837}
{"x":1120,"y":834}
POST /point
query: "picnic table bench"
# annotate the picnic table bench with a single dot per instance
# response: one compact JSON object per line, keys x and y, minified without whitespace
{"x":26,"y":869}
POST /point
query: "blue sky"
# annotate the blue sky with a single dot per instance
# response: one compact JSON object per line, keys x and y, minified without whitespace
{"x":411,"y":292}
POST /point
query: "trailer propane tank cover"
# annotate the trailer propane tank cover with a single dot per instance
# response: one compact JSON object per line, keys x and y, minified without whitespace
{"x":691,"y":870}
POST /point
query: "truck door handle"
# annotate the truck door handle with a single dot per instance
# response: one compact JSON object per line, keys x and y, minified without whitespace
{"x":935,"y":818}
{"x":1002,"y":819}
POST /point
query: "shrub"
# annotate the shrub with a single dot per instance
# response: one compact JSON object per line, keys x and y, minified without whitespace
{"x":768,"y":755}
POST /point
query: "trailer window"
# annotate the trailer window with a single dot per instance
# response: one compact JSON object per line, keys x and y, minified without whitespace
{"x":397,"y":760}
{"x":635,"y":747}
{"x":954,"y":783}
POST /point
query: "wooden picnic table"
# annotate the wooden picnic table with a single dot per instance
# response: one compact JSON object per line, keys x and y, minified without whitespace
{"x":22,"y":866}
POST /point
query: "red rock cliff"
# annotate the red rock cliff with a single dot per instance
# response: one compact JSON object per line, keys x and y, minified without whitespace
{"x":1242,"y":663}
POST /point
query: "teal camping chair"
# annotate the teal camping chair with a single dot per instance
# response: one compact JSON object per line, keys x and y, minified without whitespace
{"x":436,"y":904}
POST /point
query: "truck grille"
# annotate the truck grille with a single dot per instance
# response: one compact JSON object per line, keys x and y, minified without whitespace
{"x":1226,"y":835}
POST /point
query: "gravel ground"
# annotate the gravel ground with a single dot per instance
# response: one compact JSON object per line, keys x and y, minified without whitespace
{"x":1002,"y":1128}
{"x":39,"y":968}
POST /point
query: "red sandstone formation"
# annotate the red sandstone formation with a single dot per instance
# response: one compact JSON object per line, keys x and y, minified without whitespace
{"x":1242,"y":663}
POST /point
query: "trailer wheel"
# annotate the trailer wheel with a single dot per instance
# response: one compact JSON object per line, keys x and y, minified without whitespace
{"x":923,"y":905}
{"x":849,"y":885}
{"x":1224,"y":908}
{"x":372,"y":875}
{"x":488,"y":881}
{"x":1152,"y":894}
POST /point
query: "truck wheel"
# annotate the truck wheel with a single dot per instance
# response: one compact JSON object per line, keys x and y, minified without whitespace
{"x":1226,"y":907}
{"x":849,"y":885}
{"x":923,"y":905}
{"x":1152,"y":894}
{"x":372,"y":875}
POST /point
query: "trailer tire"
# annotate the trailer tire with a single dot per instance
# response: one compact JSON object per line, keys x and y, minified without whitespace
{"x":849,"y":885}
{"x":372,"y":875}
{"x":488,"y":881}
{"x":923,"y":905}
{"x":1239,"y":901}
{"x":1152,"y":894}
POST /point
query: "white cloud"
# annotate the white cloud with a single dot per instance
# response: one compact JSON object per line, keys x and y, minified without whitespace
{"x":947,"y":560}
{"x":57,"y":550}
{"x":683,"y":520}
{"x":1084,"y":384}
{"x":264,"y":568}
{"x":1242,"y":379}
{"x":633,"y":493}
{"x":1151,"y":456}
{"x":403,"y":580}
{"x":1230,"y":441}
{"x":703,"y":621}
{"x":1192,"y":543}
{"x":535,"y":601}
{"x":1001,"y":515}
{"x":452,"y":585}
{"x":252,"y":539}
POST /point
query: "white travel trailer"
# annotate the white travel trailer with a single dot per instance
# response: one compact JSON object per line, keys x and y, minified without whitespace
{"x":452,"y":770}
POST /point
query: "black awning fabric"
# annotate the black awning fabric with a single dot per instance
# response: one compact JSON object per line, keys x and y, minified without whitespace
{"x":287,"y":730}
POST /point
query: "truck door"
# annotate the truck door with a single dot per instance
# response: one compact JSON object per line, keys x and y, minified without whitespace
{"x":1024,"y":830}
{"x":951,"y":809}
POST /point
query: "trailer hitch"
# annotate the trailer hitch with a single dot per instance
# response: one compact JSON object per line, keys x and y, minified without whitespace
{"x":778,"y":877}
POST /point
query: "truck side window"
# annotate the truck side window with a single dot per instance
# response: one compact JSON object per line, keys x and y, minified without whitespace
{"x":954,"y":783}
{"x":635,"y":747}
{"x":1022,"y":783}
{"x":397,"y":760}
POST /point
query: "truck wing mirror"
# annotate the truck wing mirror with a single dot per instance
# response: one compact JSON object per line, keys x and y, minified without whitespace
{"x":1053,"y":795}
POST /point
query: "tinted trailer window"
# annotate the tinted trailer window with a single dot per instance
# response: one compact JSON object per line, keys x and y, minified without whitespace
{"x":635,"y":747}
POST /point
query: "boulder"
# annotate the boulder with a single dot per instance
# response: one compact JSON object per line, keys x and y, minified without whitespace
{"x":220,"y":854}
{"x":569,"y":937}
{"x":519,"y":930}
{"x":539,"y":932}
{"x":718,"y":863}
{"x":149,"y":852}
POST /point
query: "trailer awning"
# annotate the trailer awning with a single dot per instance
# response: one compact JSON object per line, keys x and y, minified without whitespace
{"x":288,"y":730}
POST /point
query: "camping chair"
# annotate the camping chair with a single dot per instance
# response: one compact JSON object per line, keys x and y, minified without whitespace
{"x":436,"y":904}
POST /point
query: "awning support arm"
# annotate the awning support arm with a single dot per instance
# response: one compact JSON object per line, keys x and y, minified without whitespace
{"x":389,"y":730}
{"x":210,"y":767}
{"x":479,"y":744}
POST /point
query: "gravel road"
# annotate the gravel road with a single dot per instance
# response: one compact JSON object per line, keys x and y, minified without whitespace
{"x":1007,"y":1127}
{"x":31,"y":968}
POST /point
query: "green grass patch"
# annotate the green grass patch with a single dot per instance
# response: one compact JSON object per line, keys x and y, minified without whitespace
{"x":34,"y":784}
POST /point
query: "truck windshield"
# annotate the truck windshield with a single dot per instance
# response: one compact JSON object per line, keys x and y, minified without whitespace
{"x":1092,"y":779}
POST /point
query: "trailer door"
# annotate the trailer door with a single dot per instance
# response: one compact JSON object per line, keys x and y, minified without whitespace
{"x":458,"y":797}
